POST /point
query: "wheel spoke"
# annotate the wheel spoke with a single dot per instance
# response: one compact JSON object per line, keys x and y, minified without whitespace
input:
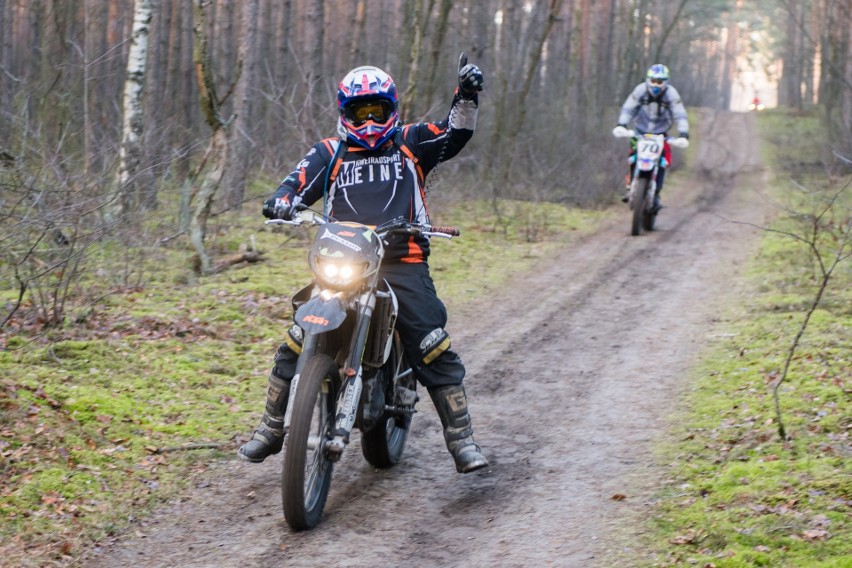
{"x":315,"y":459}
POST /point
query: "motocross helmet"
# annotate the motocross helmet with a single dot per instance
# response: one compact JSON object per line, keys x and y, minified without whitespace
{"x":368,"y":104}
{"x":657,"y":79}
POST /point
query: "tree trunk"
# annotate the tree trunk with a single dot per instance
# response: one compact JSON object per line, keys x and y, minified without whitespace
{"x":516,"y":119}
{"x":790,"y":87}
{"x":130,"y":153}
{"x":729,"y":63}
{"x":356,"y":42}
{"x":241,"y":142}
{"x":409,"y":97}
{"x":6,"y":59}
{"x":434,"y":72}
{"x":315,"y":26}
{"x":217,"y":150}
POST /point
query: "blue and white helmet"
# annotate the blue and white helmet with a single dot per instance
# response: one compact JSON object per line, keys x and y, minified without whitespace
{"x":368,"y":104}
{"x":657,"y":79}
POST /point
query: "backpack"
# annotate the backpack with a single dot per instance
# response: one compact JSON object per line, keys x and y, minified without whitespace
{"x":340,"y":153}
{"x":661,"y":100}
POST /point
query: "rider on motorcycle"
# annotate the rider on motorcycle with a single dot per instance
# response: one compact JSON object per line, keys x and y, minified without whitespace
{"x":654,"y":106}
{"x":375,"y":171}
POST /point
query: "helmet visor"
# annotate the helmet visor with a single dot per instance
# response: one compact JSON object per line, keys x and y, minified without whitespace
{"x":360,"y":111}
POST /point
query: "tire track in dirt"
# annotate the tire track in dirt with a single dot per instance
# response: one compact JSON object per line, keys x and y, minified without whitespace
{"x":571,"y":375}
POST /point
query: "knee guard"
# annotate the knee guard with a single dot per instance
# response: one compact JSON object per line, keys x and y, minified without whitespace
{"x":294,"y":339}
{"x":434,"y":363}
{"x":288,"y":353}
{"x":433,"y":345}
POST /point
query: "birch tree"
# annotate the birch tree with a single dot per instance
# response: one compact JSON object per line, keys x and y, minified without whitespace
{"x":130,"y":153}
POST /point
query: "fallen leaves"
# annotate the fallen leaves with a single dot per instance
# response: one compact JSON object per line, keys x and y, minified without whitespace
{"x":690,"y":537}
{"x":812,"y":535}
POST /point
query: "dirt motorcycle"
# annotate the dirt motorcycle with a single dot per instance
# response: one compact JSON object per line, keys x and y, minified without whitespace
{"x":643,"y":185}
{"x":756,"y":105}
{"x":351,"y":372}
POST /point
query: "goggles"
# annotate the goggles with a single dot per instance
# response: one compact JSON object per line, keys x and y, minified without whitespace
{"x":359,"y":112}
{"x":656,"y":81}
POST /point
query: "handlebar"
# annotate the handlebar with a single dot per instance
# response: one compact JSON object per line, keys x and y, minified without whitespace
{"x":676,"y":141}
{"x":425,"y":230}
{"x":395,"y":226}
{"x":449,"y":232}
{"x":300,"y":217}
{"x":403,"y":227}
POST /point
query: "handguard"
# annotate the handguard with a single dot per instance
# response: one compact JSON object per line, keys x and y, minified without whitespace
{"x":622,"y":132}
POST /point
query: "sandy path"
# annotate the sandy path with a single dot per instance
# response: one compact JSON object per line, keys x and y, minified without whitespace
{"x":571,"y":378}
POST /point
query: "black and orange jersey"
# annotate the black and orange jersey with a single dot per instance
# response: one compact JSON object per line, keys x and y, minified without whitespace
{"x":375,"y":186}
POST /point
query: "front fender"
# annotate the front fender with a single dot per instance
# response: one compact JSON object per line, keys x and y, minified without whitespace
{"x":319,"y":315}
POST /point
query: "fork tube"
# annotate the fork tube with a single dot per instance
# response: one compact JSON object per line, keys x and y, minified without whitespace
{"x":347,"y":409}
{"x":359,"y":340}
{"x":309,"y":346}
{"x":351,"y":390}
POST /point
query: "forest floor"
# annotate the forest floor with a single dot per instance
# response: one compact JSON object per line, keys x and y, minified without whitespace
{"x":572,"y":373}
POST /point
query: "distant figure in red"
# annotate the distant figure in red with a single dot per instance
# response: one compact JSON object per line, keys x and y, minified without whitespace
{"x":756,"y":104}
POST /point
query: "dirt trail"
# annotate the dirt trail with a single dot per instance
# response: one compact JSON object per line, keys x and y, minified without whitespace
{"x":568,"y":393}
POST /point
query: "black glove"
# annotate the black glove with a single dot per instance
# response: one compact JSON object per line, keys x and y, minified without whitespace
{"x":470,"y":81}
{"x":684,"y":135}
{"x":278,"y":208}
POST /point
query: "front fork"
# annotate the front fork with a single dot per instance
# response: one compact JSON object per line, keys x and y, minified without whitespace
{"x":350,"y":390}
{"x":637,"y":200}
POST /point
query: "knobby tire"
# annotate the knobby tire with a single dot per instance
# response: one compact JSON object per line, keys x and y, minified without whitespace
{"x":649,"y":218}
{"x":382,"y":446}
{"x":640,"y":194}
{"x":306,"y":473}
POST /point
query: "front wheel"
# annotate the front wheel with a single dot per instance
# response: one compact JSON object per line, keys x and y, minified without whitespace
{"x":650,"y":216}
{"x":637,"y":202}
{"x":306,"y":474}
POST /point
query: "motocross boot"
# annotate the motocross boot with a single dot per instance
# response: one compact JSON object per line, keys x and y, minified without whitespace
{"x":268,"y":439}
{"x":628,"y":179}
{"x":451,"y":403}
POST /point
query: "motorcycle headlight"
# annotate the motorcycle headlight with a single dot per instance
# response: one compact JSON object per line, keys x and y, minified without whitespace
{"x":338,"y":274}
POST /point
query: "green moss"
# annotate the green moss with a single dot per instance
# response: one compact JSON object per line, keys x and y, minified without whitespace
{"x":752,"y":499}
{"x":164,"y":358}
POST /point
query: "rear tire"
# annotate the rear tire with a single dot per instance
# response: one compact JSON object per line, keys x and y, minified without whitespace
{"x":383,"y":445}
{"x":306,"y":473}
{"x":640,"y":194}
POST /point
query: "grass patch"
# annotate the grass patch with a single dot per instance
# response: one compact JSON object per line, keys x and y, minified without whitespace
{"x":740,"y":495}
{"x":87,"y":408}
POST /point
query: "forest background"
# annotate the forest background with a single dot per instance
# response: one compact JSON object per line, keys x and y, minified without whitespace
{"x":116,"y":112}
